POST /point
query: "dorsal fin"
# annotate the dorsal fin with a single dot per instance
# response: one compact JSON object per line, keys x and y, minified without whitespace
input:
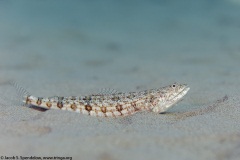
{"x":107,"y":91}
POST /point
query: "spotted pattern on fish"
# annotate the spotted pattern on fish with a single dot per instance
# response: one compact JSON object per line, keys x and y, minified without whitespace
{"x":116,"y":104}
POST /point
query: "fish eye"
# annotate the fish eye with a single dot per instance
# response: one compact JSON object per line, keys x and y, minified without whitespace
{"x":173,"y":85}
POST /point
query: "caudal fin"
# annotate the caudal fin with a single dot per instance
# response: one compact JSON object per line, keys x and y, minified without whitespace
{"x":22,"y":93}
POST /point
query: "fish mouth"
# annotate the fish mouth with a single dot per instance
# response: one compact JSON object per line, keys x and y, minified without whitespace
{"x":177,"y":98}
{"x":180,"y":95}
{"x":170,"y":103}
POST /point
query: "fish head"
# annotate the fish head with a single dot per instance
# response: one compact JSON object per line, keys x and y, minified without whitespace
{"x":168,"y":96}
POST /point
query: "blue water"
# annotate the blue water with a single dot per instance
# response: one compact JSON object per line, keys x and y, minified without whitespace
{"x":134,"y":42}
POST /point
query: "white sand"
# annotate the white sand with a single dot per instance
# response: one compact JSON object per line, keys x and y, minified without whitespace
{"x":74,"y":48}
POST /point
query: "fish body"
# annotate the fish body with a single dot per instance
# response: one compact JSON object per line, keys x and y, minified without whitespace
{"x":115,"y":104}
